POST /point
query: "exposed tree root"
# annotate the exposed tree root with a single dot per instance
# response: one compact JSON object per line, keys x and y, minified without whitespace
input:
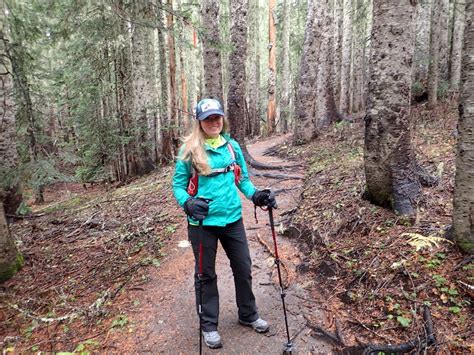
{"x":425,"y":178}
{"x":277,"y":176}
{"x":323,"y":333}
{"x":286,"y":282}
{"x":420,"y":343}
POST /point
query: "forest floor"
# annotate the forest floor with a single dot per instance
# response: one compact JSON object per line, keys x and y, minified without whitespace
{"x":110,"y":269}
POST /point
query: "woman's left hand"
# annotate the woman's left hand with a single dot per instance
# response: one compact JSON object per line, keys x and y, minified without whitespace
{"x":264,"y":198}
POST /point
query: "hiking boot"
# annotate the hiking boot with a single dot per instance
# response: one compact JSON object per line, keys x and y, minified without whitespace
{"x":259,"y":325}
{"x":212,"y":339}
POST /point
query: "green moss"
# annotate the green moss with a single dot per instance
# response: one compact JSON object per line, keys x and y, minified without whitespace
{"x":466,"y":246}
{"x":8,"y":270}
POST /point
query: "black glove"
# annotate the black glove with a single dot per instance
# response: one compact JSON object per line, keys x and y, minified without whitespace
{"x":196,"y":208}
{"x":264,"y":198}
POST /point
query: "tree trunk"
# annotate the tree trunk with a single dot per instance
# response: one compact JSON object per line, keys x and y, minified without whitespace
{"x":253,"y":65}
{"x":211,"y":52}
{"x":338,"y":16}
{"x":166,"y":132}
{"x":271,"y":108}
{"x":326,"y":109}
{"x":444,"y":40}
{"x":10,"y":260}
{"x":141,"y":42}
{"x":433,"y":73}
{"x":422,"y":45}
{"x":286,"y":78}
{"x":458,"y":36}
{"x":306,"y":93}
{"x":236,"y":97}
{"x":172,"y":73}
{"x":346,"y":58}
{"x":388,"y":155}
{"x":463,"y":214}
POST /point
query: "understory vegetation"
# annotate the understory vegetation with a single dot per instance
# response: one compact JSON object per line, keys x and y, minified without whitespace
{"x":372,"y":270}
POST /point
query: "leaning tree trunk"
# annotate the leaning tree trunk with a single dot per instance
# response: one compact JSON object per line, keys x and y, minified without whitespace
{"x":211,"y":52}
{"x":388,"y":155}
{"x":237,"y":58}
{"x":306,"y":92}
{"x":271,"y":107}
{"x":463,"y":214}
{"x":433,"y":71}
{"x":346,"y":58}
{"x":10,"y":260}
{"x":458,"y":36}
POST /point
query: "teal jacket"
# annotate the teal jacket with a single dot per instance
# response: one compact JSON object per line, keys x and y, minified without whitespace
{"x":225,"y":206}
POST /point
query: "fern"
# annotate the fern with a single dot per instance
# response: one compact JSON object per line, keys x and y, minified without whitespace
{"x":419,"y":241}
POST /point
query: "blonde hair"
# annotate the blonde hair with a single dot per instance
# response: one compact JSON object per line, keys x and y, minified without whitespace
{"x":193,"y":147}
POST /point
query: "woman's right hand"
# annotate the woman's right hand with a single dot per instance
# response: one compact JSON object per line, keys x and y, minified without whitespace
{"x":196,"y":208}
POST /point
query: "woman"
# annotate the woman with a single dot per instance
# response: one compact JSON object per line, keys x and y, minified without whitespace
{"x":219,"y":169}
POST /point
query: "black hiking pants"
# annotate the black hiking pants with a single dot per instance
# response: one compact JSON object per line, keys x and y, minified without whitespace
{"x":234,"y":243}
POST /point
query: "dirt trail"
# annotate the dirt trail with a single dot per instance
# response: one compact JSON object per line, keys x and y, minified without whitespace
{"x":165,"y":320}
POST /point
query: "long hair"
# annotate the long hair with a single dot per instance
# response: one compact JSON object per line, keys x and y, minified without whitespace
{"x":193,"y":147}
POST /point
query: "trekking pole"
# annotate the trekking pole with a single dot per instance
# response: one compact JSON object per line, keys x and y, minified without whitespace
{"x":288,"y":346}
{"x":200,"y":285}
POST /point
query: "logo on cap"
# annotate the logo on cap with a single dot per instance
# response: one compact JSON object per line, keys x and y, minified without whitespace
{"x":210,"y":105}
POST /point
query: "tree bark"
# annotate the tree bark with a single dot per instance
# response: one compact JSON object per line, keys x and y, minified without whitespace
{"x":463,"y":214}
{"x":388,"y":154}
{"x":286,"y":78}
{"x":10,"y":260}
{"x":141,"y":42}
{"x":211,"y":51}
{"x":346,"y":58}
{"x":306,"y":93}
{"x":458,"y":37}
{"x":166,"y":132}
{"x":253,"y":64}
{"x":236,"y":108}
{"x":444,"y":40}
{"x":433,"y":71}
{"x":422,"y":45}
{"x":174,"y":125}
{"x":271,"y":108}
{"x":338,"y":17}
{"x":326,"y":108}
